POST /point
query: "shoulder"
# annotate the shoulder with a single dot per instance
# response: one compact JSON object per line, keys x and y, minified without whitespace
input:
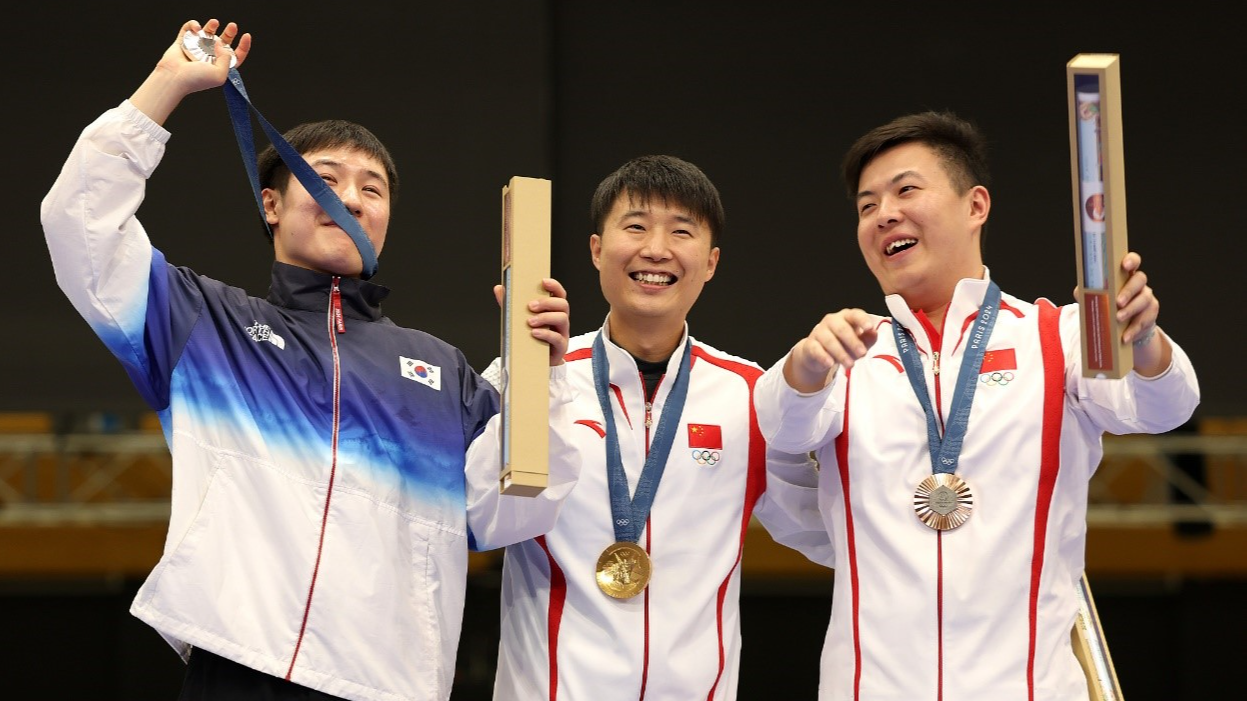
{"x":580,"y":347}
{"x":708,"y":356}
{"x":424,"y":345}
{"x":187,"y":281}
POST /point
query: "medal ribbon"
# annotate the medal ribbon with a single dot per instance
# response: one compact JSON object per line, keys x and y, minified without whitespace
{"x":630,"y":515}
{"x":239,"y":107}
{"x":946,"y":451}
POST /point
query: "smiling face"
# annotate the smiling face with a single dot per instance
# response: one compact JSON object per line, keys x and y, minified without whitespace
{"x":918,"y":234}
{"x":653,"y":258}
{"x":306,"y":236}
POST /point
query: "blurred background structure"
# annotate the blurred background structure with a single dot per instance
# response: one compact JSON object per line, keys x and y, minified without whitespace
{"x":765,"y":98}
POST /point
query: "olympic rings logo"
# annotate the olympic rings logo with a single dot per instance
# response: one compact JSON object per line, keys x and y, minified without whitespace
{"x":706,"y":457}
{"x":996,"y":378}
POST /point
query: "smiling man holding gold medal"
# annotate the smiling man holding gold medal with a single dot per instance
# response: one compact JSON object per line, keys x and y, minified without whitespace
{"x":634,"y":593}
{"x":956,"y":438}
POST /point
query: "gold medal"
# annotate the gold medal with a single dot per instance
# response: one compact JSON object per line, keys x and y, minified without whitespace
{"x":943,"y":501}
{"x":623,"y":570}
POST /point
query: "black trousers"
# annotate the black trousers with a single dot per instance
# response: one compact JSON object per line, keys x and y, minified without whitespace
{"x":211,"y":677}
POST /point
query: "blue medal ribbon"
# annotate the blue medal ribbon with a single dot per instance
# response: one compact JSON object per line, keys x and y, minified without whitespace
{"x":240,"y":107}
{"x":946,"y":451}
{"x":630,"y":514}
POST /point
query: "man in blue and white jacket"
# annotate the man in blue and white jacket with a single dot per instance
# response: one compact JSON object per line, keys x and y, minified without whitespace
{"x":318,"y":536}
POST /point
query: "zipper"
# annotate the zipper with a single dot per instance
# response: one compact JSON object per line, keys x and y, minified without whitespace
{"x":336,"y":323}
{"x":335,"y":305}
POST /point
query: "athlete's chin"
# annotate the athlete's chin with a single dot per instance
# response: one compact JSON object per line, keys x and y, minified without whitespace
{"x":344,"y":264}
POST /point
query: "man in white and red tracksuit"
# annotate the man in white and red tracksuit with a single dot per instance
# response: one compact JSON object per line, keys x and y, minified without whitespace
{"x":957,"y":438}
{"x":647,"y":389}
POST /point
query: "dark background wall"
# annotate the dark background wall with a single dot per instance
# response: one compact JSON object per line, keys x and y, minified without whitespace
{"x":765,"y":97}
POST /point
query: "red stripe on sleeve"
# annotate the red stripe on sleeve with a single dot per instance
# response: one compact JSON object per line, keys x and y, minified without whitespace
{"x":1050,"y":461}
{"x":558,"y":598}
{"x":754,"y":487}
{"x":842,"y":460}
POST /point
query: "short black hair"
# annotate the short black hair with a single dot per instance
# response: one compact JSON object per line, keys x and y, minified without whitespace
{"x":668,"y":178}
{"x":959,"y":144}
{"x":316,"y":136}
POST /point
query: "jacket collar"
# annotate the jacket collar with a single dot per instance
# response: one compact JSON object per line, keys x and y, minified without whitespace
{"x":623,"y":367}
{"x":967,"y":298}
{"x":308,"y":290}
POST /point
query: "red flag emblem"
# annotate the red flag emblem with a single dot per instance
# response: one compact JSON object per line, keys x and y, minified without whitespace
{"x":705,"y":436}
{"x":997,"y":360}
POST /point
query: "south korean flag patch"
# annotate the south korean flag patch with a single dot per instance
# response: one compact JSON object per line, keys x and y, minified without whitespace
{"x":425,"y":373}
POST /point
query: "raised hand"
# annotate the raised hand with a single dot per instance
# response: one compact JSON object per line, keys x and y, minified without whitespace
{"x":550,"y":319}
{"x":177,"y":75}
{"x":1137,"y":311}
{"x":839,"y":339}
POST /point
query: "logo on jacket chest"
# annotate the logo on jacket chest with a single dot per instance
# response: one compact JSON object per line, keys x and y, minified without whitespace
{"x":999,"y":367}
{"x":263,"y":332}
{"x":705,"y":441}
{"x":426,"y":374}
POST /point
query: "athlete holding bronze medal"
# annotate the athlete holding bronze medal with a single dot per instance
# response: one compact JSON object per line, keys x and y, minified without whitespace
{"x":974,"y":598}
{"x":944,"y":501}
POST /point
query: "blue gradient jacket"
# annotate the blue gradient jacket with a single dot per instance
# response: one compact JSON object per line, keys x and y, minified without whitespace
{"x":318,"y":528}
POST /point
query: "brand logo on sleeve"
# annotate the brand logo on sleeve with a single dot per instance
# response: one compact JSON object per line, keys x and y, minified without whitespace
{"x":426,"y":374}
{"x":263,"y":332}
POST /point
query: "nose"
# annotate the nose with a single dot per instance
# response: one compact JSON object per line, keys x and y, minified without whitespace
{"x":656,"y":246}
{"x":350,"y":197}
{"x":887,"y":212}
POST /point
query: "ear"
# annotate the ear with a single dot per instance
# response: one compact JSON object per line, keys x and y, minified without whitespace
{"x":712,"y":264}
{"x":595,"y":250}
{"x":272,"y":201}
{"x":980,"y":205}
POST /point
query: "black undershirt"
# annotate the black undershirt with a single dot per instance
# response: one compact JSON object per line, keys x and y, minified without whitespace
{"x":651,"y":373}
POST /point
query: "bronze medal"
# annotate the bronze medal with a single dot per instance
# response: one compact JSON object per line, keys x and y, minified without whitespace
{"x":943,"y":501}
{"x":623,"y":570}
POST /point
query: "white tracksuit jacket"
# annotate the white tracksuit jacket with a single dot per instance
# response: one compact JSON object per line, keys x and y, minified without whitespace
{"x":983,"y":611}
{"x":562,"y":637}
{"x":319,"y":527}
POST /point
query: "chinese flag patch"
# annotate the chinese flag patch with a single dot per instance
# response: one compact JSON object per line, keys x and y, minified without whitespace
{"x":1004,"y":359}
{"x":705,"y":436}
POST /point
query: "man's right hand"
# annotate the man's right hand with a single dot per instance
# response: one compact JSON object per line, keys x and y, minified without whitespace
{"x":177,"y":75}
{"x":839,"y":339}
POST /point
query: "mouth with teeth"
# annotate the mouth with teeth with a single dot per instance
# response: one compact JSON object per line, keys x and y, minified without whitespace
{"x":899,"y":245}
{"x":647,"y":278}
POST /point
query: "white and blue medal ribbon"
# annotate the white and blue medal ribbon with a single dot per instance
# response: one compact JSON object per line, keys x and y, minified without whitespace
{"x":623,"y":569}
{"x":630,"y":514}
{"x":944,"y":501}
